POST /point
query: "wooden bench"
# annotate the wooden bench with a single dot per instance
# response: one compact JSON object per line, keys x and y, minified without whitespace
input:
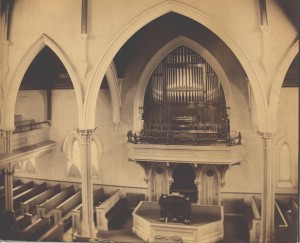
{"x":103,"y":214}
{"x":24,"y":196}
{"x":63,"y":211}
{"x":22,"y":188}
{"x":280,"y":219}
{"x":21,"y":223}
{"x":253,"y":217}
{"x":36,"y":229}
{"x":29,"y":206}
{"x":45,"y":208}
{"x":98,"y":198}
{"x":54,"y":234}
{"x":1,"y":190}
{"x":292,"y":212}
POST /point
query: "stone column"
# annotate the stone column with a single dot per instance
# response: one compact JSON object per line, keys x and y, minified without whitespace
{"x":268,"y":195}
{"x":6,"y":142}
{"x":8,"y":188}
{"x":88,"y":225}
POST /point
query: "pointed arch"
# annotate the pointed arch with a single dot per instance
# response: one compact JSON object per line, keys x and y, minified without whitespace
{"x":150,"y":15}
{"x":15,"y":81}
{"x":277,"y":84}
{"x":114,"y":89}
{"x":157,"y":58}
{"x":67,"y":148}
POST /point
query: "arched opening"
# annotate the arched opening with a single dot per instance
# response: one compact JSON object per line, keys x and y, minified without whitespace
{"x":185,"y":98}
{"x":46,"y":90}
{"x":184,"y":181}
{"x":154,"y":14}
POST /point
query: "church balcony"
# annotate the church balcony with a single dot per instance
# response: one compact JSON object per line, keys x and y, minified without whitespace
{"x":30,"y":133}
{"x":184,"y":137}
{"x":220,"y":154}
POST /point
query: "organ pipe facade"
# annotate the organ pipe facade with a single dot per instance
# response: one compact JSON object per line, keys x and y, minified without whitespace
{"x":185,"y":94}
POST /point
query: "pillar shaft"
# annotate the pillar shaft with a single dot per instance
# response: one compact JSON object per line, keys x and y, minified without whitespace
{"x":88,"y":225}
{"x":6,"y":141}
{"x":268,"y":195}
{"x":8,"y":188}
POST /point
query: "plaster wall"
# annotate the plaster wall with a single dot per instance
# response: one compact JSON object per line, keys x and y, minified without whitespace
{"x":288,"y":114}
{"x":32,"y":104}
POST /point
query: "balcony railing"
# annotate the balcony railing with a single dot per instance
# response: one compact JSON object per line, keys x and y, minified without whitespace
{"x":189,"y":137}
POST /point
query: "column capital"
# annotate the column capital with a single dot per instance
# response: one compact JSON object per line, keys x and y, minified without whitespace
{"x":267,"y":135}
{"x":87,"y":132}
{"x":8,"y":171}
{"x":6,"y":133}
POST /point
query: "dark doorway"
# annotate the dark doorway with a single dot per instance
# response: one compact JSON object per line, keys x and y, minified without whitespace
{"x":184,"y":177}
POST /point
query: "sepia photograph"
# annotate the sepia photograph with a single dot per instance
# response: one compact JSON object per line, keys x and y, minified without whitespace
{"x":149,"y":121}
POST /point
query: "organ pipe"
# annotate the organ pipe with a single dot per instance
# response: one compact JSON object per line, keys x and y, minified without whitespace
{"x":184,"y":77}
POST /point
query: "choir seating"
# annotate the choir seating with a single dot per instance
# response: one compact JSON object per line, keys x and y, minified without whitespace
{"x":253,"y":216}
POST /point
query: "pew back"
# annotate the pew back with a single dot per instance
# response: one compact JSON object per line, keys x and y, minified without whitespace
{"x":29,"y":205}
{"x":24,"y":196}
{"x":47,"y":206}
{"x":102,"y":210}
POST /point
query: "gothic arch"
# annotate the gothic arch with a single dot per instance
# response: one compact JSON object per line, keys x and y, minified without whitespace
{"x":7,"y":123}
{"x":114,"y":89}
{"x":156,"y":59}
{"x":67,"y":147}
{"x":145,"y":18}
{"x":277,"y":84}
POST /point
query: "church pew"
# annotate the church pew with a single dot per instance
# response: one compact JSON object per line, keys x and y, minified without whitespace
{"x":54,"y":234}
{"x":98,"y":198}
{"x":29,"y":205}
{"x":292,"y":212}
{"x":286,"y":221}
{"x":36,"y":229}
{"x":280,"y":219}
{"x":64,"y":209}
{"x":104,"y":211}
{"x":24,"y":196}
{"x":1,"y":190}
{"x":45,"y":209}
{"x":22,"y":188}
{"x":253,"y":217}
{"x":16,"y":184}
{"x":21,"y":223}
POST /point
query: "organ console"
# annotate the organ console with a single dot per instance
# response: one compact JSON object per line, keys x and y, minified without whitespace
{"x":175,"y":208}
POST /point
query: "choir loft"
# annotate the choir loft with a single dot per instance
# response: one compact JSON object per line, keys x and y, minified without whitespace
{"x":153,"y":121}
